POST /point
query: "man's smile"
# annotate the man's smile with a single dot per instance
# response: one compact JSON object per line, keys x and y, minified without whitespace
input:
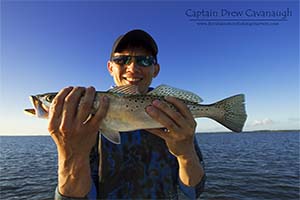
{"x":132,"y":79}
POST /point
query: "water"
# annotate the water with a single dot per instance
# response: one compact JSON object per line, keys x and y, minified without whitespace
{"x":239,"y":166}
{"x":28,"y":168}
{"x":251,"y":166}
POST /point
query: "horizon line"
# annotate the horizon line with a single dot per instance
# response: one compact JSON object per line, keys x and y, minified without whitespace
{"x":248,"y":131}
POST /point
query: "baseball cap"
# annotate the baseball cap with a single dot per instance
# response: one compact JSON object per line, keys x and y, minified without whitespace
{"x":137,"y":38}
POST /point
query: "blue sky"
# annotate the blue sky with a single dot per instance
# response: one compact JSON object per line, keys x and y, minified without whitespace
{"x":47,"y":45}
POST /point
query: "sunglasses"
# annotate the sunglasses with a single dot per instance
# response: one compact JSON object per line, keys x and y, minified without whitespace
{"x":144,"y":61}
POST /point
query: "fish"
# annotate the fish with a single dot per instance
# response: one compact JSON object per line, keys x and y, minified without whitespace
{"x":126,"y":111}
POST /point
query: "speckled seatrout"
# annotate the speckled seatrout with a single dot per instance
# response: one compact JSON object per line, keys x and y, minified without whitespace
{"x":126,"y":110}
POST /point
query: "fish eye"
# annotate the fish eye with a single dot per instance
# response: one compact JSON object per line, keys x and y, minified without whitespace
{"x":50,"y":97}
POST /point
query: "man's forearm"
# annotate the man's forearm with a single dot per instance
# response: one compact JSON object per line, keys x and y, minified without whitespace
{"x":190,"y":170}
{"x":74,"y":179}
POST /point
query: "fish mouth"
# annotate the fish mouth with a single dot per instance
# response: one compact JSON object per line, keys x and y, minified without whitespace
{"x":30,"y":111}
{"x":38,"y":108}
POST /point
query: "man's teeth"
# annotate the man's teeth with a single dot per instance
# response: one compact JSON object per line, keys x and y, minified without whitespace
{"x":133,"y":79}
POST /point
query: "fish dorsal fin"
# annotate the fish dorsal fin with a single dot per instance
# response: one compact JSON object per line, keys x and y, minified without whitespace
{"x":165,"y":90}
{"x":125,"y":89}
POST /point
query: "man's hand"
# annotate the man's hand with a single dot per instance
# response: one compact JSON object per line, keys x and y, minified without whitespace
{"x":179,"y":136}
{"x":74,"y":137}
{"x":180,"y":125}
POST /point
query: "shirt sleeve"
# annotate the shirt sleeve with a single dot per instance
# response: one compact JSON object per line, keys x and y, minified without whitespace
{"x":195,"y":191}
{"x":92,"y":195}
{"x":192,"y":192}
{"x":59,"y":196}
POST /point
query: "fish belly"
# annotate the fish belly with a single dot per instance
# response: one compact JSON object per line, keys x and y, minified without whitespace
{"x":128,"y":114}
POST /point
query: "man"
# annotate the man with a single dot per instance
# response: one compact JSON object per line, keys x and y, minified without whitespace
{"x":148,"y":164}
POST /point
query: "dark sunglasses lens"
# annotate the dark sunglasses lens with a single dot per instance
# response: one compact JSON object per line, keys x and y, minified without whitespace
{"x":121,"y":60}
{"x":145,"y":61}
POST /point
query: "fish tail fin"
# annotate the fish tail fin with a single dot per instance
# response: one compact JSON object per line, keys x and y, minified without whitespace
{"x":234,"y":112}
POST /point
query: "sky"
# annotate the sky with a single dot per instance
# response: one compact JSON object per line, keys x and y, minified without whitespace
{"x":213,"y":48}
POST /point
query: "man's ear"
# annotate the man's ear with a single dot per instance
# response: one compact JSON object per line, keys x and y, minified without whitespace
{"x":110,"y":67}
{"x":156,"y":70}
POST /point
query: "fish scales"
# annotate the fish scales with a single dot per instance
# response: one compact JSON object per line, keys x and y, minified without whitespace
{"x":127,"y":113}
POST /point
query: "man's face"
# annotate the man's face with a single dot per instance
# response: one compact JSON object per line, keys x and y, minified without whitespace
{"x":133,"y":73}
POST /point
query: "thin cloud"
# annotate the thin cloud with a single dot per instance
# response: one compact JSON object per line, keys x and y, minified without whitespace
{"x":262,"y":122}
{"x":294,"y":119}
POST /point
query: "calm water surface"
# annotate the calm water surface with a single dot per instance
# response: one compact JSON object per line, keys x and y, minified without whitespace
{"x":239,"y":166}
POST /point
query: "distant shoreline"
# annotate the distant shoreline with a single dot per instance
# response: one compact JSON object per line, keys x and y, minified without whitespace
{"x":254,"y":131}
{"x":217,"y":132}
{"x":296,"y":130}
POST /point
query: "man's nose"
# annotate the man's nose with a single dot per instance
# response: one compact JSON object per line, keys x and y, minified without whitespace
{"x":133,"y":66}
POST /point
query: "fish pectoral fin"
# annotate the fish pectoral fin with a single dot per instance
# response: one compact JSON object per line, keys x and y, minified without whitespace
{"x":112,"y":135}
